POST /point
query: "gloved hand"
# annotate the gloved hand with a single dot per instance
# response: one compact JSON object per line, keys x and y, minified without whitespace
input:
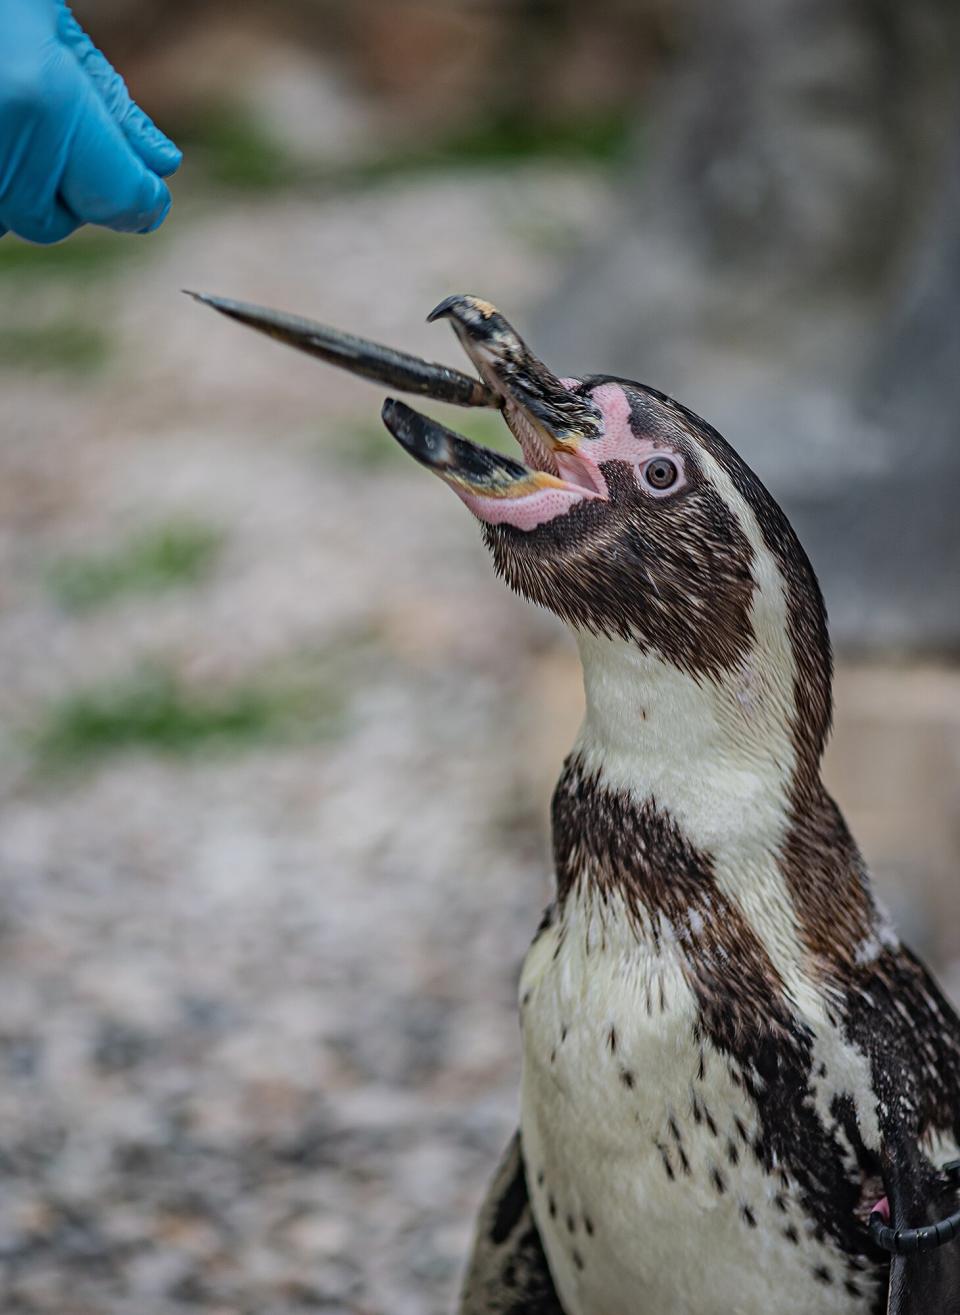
{"x":74,"y":148}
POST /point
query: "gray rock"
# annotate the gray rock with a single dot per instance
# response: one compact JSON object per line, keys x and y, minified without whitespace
{"x":786,"y":261}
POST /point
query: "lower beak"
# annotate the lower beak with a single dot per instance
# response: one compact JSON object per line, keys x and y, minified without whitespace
{"x":497,"y":489}
{"x":467,"y":467}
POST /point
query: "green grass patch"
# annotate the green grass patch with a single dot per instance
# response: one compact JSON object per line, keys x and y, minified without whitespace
{"x":488,"y":428}
{"x":155,"y":709}
{"x":178,"y":552}
{"x":89,"y":253}
{"x":363,"y":445}
{"x":229,"y":148}
{"x":66,"y":345}
{"x":516,"y":137}
{"x":368,"y":445}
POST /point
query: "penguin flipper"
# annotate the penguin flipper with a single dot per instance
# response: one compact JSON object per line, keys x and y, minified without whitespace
{"x":927,"y":1281}
{"x":507,"y":1273}
{"x":920,"y":1285}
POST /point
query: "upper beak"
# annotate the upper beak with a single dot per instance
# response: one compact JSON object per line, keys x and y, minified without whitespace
{"x":548,"y":419}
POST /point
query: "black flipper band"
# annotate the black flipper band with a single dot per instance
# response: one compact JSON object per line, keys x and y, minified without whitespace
{"x":908,"y":1241}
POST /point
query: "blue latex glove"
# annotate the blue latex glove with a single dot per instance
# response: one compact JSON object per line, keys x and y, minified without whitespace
{"x":74,"y":148}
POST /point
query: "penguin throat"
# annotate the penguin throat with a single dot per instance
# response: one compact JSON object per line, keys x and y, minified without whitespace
{"x":717,"y":754}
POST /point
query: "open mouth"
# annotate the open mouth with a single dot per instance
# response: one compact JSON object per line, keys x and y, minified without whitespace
{"x":552,"y":423}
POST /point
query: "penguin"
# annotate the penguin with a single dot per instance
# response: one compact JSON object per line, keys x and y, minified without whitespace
{"x":740,"y":1091}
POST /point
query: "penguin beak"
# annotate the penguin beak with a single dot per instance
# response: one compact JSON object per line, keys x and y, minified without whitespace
{"x":550,"y":421}
{"x":552,"y":424}
{"x":469,"y":468}
{"x":545,"y":416}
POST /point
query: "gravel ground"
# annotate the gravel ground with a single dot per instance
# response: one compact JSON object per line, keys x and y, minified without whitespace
{"x":257,"y":1037}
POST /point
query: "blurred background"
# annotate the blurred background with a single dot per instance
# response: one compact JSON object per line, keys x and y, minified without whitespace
{"x":277,"y":747}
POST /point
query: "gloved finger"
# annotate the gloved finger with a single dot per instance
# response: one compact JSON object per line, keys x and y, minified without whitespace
{"x":103,"y":180}
{"x":51,"y":224}
{"x":155,"y":149}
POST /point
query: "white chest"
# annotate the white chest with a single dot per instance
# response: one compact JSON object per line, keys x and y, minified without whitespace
{"x":638,"y":1147}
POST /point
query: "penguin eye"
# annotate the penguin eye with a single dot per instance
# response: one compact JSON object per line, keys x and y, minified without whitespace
{"x":660,"y":473}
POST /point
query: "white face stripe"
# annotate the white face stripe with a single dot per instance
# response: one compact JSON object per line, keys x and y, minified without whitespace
{"x":718,"y":755}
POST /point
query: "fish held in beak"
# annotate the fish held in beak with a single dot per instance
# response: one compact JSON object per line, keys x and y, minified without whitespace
{"x":360,"y":356}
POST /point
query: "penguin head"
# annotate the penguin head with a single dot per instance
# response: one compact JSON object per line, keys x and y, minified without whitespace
{"x":632,"y":520}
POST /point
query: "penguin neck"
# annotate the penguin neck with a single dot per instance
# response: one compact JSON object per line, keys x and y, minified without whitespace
{"x":695,"y":776}
{"x":700,"y":802}
{"x":717,"y":755}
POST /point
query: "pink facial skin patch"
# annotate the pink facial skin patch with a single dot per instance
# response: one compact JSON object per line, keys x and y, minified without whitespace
{"x":579,"y":469}
{"x":618,"y":442}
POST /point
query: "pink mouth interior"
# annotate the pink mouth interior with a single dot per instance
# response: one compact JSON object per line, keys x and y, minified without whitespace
{"x":581,"y":478}
{"x":576,"y":471}
{"x":536,"y":453}
{"x":540,"y":456}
